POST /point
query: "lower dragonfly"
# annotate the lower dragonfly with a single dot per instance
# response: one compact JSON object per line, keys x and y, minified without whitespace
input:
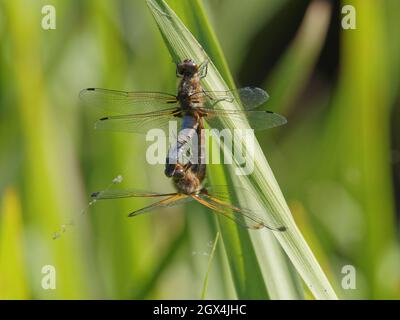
{"x":188,"y":181}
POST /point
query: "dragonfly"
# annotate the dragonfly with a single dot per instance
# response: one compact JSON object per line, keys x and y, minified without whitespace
{"x":188,"y":180}
{"x":140,"y":111}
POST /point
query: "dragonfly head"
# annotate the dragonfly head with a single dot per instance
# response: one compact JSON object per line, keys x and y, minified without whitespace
{"x":186,"y":68}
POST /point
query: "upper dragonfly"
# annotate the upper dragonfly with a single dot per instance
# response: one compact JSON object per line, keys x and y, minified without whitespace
{"x":140,"y":111}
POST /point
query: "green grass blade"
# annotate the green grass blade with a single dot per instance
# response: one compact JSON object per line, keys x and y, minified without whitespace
{"x":193,"y":15}
{"x":240,"y":252}
{"x":205,"y":283}
{"x":246,"y":267}
{"x":182,"y":44}
{"x":13,"y":271}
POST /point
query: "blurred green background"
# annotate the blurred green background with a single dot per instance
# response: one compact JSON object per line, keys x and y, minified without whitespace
{"x":337,"y":160}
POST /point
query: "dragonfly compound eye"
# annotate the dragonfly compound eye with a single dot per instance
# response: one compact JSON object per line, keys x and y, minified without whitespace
{"x":187,"y":67}
{"x":169,"y":169}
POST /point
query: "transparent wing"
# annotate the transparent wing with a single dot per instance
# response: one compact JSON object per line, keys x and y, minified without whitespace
{"x":122,"y":102}
{"x":128,"y":193}
{"x":171,"y":201}
{"x":249,"y":97}
{"x":218,"y":199}
{"x":140,"y":123}
{"x":258,"y":120}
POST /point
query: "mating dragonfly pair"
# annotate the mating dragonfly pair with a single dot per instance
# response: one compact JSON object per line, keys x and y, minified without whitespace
{"x":140,"y":111}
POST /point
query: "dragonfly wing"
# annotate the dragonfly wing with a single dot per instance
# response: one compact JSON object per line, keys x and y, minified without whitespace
{"x":141,"y":123}
{"x":119,"y":194}
{"x":122,"y":102}
{"x":219,"y":200}
{"x":171,"y":201}
{"x":248,"y":97}
{"x":258,"y":120}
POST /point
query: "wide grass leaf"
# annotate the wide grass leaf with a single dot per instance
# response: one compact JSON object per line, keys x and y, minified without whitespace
{"x":182,"y":44}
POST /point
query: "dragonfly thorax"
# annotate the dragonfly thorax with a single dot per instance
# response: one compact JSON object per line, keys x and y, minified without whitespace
{"x":188,"y":91}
